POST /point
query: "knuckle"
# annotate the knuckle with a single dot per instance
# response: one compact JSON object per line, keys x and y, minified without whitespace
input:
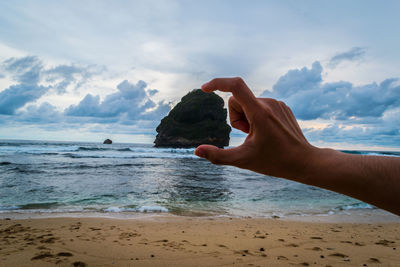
{"x":274,"y":102}
{"x":282,"y":103}
{"x":269,"y":101}
{"x":238,"y":81}
{"x":213,"y":80}
{"x":231,"y":100}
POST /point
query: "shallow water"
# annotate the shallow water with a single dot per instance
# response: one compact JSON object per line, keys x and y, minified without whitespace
{"x":67,"y":177}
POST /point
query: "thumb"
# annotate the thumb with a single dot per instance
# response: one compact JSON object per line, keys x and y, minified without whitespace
{"x":215,"y":155}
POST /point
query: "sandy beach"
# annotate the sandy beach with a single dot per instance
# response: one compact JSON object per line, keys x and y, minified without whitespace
{"x":196,"y":241}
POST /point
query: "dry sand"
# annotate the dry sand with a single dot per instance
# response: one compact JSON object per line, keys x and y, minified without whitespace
{"x":196,"y":241}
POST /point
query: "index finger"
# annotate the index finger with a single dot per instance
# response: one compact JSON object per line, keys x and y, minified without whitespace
{"x":237,"y":87}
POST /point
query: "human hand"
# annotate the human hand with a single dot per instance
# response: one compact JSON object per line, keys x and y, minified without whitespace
{"x":275,"y":144}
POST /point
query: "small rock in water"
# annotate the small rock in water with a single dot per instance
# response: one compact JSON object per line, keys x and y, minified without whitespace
{"x":107,"y":142}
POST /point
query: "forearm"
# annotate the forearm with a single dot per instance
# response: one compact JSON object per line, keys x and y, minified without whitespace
{"x":372,"y":179}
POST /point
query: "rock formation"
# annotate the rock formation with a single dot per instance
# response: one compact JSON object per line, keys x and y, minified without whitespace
{"x":107,"y":142}
{"x":200,"y":118}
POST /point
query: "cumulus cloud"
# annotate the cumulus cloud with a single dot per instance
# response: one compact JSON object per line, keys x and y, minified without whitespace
{"x":62,"y":76}
{"x":129,"y":109}
{"x":16,"y":96}
{"x":33,"y":80}
{"x":42,"y":114}
{"x":366,"y":113}
{"x":24,"y":70}
{"x":354,"y":54}
{"x":376,"y":134}
{"x":131,"y":101}
{"x":311,"y":99}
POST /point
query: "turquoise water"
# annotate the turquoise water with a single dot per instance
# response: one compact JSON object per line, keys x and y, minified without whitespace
{"x":70,"y":177}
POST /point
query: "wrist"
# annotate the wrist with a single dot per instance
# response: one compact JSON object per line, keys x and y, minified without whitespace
{"x":318,"y":162}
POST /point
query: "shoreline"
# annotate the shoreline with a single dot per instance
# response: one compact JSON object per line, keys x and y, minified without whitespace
{"x":353,"y":216}
{"x":196,"y":241}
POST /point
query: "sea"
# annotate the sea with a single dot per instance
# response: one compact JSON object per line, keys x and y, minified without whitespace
{"x":80,"y":178}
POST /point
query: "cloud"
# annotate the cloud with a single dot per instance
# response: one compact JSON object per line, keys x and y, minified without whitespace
{"x":34,"y":80}
{"x":367,"y":113}
{"x":311,"y":99}
{"x":152,"y":92}
{"x":24,"y":70}
{"x":298,"y":80}
{"x":16,"y":96}
{"x":42,"y":114}
{"x":131,"y":102}
{"x":129,"y":109}
{"x":354,"y":54}
{"x":377,"y":134}
{"x":62,"y":76}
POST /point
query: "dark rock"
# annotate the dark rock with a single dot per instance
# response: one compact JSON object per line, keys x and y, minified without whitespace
{"x":107,"y":142}
{"x":200,"y":118}
{"x":79,"y":264}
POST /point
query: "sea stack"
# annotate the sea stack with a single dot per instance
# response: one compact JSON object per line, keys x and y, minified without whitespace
{"x":199,"y":118}
{"x":107,"y":142}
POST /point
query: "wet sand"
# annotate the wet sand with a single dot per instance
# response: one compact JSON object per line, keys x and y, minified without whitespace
{"x":196,"y":241}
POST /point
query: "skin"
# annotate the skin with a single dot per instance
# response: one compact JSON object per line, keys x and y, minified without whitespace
{"x":276,"y":146}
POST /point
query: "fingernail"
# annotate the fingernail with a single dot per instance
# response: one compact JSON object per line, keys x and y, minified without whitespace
{"x":204,"y":85}
{"x":200,"y":153}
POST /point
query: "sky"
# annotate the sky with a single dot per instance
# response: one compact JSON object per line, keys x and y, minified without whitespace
{"x":86,"y":71}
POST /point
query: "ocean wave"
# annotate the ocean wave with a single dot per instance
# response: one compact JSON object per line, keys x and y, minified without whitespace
{"x":46,"y":150}
{"x":124,"y":149}
{"x":26,"y":170}
{"x":8,"y":208}
{"x":354,"y":206}
{"x":84,"y":148}
{"x":142,"y":209}
{"x":54,"y":207}
{"x":48,"y":206}
{"x":5,"y":163}
{"x":96,"y":151}
{"x":44,"y":211}
{"x":372,"y":153}
{"x":102,"y":166}
{"x":43,"y":205}
{"x":384,"y":153}
{"x":44,"y":153}
{"x":140,"y":149}
{"x":152,"y":209}
{"x":132,"y":156}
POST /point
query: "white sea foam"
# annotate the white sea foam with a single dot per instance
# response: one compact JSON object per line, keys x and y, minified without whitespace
{"x":37,"y":149}
{"x":113,"y":209}
{"x":97,"y":151}
{"x":355,"y":206}
{"x":152,"y":209}
{"x":4,"y":209}
{"x":129,"y":156}
{"x":141,"y":209}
